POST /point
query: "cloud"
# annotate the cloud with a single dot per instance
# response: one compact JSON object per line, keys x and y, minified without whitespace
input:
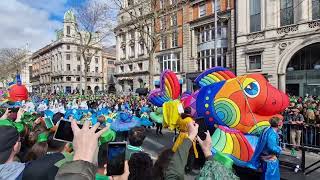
{"x":22,"y":24}
{"x":34,"y":22}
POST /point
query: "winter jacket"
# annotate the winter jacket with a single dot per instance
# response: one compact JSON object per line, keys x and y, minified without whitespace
{"x":11,"y":171}
{"x":175,"y":170}
{"x":77,"y":170}
{"x":43,"y":168}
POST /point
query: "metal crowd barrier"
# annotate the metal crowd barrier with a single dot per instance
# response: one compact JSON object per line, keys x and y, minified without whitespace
{"x":309,"y":141}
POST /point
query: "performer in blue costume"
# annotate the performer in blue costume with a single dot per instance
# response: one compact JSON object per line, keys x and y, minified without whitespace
{"x":266,"y":154}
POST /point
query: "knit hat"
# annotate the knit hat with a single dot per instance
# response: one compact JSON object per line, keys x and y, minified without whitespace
{"x":8,"y":138}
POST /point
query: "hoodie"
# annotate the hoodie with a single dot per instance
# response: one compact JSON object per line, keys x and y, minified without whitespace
{"x":11,"y":171}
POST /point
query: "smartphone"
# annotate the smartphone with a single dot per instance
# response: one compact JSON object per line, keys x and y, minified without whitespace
{"x":48,"y":122}
{"x":202,"y":127}
{"x":116,"y":157}
{"x":14,"y":110}
{"x":64,"y":131}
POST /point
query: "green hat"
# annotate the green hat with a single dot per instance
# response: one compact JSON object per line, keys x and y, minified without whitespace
{"x":42,"y":137}
{"x":223,"y":159}
{"x":7,"y":122}
{"x":19,"y":126}
{"x":107,"y":136}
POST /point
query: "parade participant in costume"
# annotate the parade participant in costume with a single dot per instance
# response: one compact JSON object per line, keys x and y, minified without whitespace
{"x":157,"y":117}
{"x":268,"y":151}
{"x":144,"y":117}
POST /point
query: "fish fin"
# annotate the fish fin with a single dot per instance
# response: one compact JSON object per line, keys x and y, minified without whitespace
{"x":214,"y":75}
{"x":169,"y":89}
{"x":233,"y":143}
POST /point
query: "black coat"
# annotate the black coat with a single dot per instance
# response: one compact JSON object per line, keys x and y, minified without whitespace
{"x":42,"y":168}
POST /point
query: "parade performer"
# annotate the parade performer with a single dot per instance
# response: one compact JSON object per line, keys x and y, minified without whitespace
{"x":157,"y":117}
{"x":237,"y":108}
{"x":144,"y":116}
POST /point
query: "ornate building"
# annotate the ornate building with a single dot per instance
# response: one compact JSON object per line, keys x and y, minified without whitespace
{"x":280,"y":39}
{"x":185,"y":40}
{"x":58,"y":66}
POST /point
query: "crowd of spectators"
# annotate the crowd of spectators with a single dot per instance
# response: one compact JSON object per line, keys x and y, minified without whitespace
{"x":302,"y":122}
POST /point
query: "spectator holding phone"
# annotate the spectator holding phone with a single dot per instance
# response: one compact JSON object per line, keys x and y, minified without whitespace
{"x":85,"y":144}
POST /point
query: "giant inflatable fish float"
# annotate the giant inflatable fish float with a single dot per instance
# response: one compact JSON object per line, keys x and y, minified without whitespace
{"x":237,"y":108}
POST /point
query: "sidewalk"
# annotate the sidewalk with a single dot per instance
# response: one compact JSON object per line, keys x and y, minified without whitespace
{"x":310,"y":158}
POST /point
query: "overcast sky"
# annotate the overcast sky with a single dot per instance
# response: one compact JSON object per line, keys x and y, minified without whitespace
{"x":31,"y":22}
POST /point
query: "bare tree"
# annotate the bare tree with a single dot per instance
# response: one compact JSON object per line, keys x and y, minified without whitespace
{"x":11,"y":62}
{"x":94,"y":25}
{"x":142,"y":17}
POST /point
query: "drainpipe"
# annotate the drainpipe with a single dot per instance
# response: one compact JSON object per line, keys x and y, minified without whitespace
{"x":235,"y":36}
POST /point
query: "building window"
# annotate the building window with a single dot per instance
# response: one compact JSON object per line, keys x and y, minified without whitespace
{"x":174,"y":42}
{"x":163,"y":42}
{"x":170,"y":61}
{"x":96,"y":80}
{"x":286,"y":12}
{"x":161,"y":3}
{"x":132,"y":34}
{"x":174,"y":21}
{"x":140,"y":66}
{"x":110,"y":62}
{"x":96,"y":60}
{"x":255,"y":15}
{"x":218,"y":5}
{"x":132,"y":51}
{"x":78,"y":79}
{"x":163,"y":24}
{"x":121,"y":68}
{"x":172,"y":2}
{"x":96,"y":69}
{"x":130,"y":67}
{"x":255,"y":62}
{"x":140,"y":11}
{"x":123,"y":38}
{"x":68,"y":56}
{"x":78,"y":68}
{"x":130,"y":2}
{"x":141,"y":48}
{"x":202,"y":9}
{"x":88,"y":69}
{"x":206,"y":58}
{"x":315,"y":9}
{"x":78,"y":57}
{"x":68,"y":67}
{"x":68,"y":47}
{"x":68,"y":78}
{"x":123,"y":52}
{"x":68,"y":30}
{"x":88,"y":79}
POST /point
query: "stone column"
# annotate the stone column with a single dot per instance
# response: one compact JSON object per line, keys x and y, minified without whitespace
{"x":301,"y":12}
{"x":282,"y":82}
{"x":270,"y":13}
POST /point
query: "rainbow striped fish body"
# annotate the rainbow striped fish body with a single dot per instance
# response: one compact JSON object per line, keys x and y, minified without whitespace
{"x":240,"y":107}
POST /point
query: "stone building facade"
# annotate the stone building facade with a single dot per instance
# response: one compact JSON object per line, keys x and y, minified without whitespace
{"x":280,"y":39}
{"x":131,"y":52}
{"x":58,"y":66}
{"x":184,"y":31}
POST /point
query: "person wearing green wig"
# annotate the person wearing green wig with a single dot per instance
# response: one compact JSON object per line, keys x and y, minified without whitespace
{"x":217,"y":167}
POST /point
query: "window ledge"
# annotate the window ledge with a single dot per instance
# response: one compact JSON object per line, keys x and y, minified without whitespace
{"x":254,"y":70}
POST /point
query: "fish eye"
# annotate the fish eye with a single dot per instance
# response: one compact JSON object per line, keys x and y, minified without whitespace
{"x":252,"y":90}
